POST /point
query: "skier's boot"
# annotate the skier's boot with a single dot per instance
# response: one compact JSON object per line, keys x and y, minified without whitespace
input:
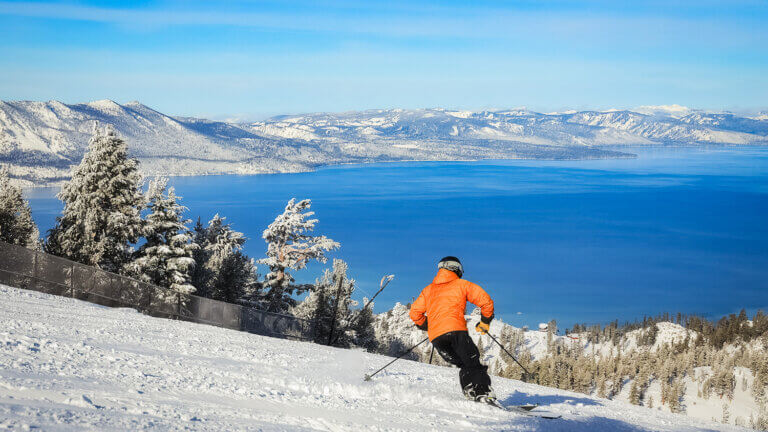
{"x":489,"y":397}
{"x":469,"y":392}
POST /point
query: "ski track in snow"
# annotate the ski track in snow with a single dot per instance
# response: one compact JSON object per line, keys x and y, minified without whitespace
{"x":69,"y":365}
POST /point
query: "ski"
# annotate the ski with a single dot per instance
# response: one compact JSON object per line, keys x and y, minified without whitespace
{"x":529,"y":413}
{"x":526,"y":410}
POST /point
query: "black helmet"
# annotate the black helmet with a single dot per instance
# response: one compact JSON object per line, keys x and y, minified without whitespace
{"x":451,"y":263}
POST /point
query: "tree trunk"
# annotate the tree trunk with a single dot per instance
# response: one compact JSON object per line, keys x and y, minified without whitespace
{"x":335,"y":310}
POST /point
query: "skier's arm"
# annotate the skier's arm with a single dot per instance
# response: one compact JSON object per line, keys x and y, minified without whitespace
{"x":478,"y":297}
{"x":418,"y":309}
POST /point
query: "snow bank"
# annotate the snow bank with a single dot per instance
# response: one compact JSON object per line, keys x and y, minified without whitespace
{"x":70,"y":365}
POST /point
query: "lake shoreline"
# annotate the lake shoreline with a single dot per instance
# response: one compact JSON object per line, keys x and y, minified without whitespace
{"x":611,"y":154}
{"x":619,"y":151}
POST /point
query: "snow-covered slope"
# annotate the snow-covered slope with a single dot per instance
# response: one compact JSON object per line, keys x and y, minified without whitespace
{"x":40,"y":140}
{"x":395,"y":325}
{"x":70,"y":365}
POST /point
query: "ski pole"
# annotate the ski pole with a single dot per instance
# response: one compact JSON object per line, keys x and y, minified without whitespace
{"x":383,"y":284}
{"x":510,"y":354}
{"x":368,"y":377}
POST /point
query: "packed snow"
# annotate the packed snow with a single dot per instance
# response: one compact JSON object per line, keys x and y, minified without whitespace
{"x":71,"y":365}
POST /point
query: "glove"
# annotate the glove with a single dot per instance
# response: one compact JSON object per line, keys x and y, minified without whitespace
{"x":423,"y":325}
{"x":482,"y":327}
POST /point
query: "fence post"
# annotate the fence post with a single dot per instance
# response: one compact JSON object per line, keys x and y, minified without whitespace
{"x":33,"y":280}
{"x":111,"y":290}
{"x":312,"y":331}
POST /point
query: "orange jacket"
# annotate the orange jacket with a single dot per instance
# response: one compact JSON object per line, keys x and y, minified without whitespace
{"x":445,"y":302}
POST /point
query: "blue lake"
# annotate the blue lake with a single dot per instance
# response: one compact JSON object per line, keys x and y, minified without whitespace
{"x":677,"y":229}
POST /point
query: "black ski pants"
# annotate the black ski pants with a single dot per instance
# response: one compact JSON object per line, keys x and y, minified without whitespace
{"x":457,"y":348}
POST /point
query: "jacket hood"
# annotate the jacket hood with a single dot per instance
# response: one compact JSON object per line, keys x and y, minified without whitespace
{"x":444,"y":276}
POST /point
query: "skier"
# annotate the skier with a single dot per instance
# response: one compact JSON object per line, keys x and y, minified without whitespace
{"x":444,"y":302}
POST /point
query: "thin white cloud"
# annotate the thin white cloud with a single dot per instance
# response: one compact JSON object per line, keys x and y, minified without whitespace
{"x":473,"y":23}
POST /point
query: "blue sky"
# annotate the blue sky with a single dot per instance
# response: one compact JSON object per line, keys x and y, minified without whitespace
{"x":249,"y":59}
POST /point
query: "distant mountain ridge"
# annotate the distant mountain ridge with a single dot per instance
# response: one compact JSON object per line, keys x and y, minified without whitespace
{"x":39,"y":141}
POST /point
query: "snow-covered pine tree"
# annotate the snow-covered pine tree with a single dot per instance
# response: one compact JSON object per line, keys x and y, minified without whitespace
{"x":16,"y":224}
{"x":761,"y":421}
{"x":165,"y":259}
{"x":289,"y":246}
{"x":314,"y":308}
{"x":584,"y":373}
{"x":235,"y":279}
{"x":760,"y":370}
{"x":102,"y":206}
{"x":602,"y":390}
{"x":363,"y":328}
{"x":551,"y":332}
{"x":200,"y":274}
{"x":222,"y":272}
{"x":329,"y":304}
{"x":634,"y":393}
{"x":676,"y":392}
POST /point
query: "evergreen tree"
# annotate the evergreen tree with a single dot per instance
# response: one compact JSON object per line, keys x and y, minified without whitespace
{"x":602,"y":390}
{"x":16,"y":225}
{"x":200,"y":274}
{"x":329,"y":304}
{"x":289,"y":246}
{"x":102,"y":205}
{"x":315,"y":308}
{"x":761,"y":421}
{"x":235,"y":279}
{"x":222,"y":271}
{"x":676,"y":390}
{"x":760,"y":381}
{"x":634,"y":393}
{"x":165,"y":259}
{"x":363,"y":328}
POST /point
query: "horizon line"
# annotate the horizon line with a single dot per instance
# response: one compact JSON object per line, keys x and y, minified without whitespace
{"x":239,"y":118}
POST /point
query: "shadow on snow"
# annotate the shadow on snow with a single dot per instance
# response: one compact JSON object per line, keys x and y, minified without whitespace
{"x":569,"y":422}
{"x":520,"y":398}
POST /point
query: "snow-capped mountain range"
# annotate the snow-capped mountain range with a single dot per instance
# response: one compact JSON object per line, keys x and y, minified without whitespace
{"x":39,"y":141}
